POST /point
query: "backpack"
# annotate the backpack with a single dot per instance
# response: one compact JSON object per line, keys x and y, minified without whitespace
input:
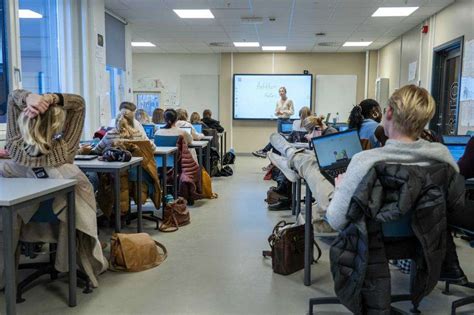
{"x":229,"y":158}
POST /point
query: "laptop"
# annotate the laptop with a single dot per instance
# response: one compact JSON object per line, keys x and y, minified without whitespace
{"x":85,"y":157}
{"x":335,"y":151}
{"x":343,"y":128}
{"x":457,"y":150}
{"x":198,"y":127}
{"x":187,"y":129}
{"x":456,"y":139}
{"x":150,"y":131}
{"x":286,"y":127}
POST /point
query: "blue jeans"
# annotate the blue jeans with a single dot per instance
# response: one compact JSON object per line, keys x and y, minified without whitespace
{"x":280,"y":121}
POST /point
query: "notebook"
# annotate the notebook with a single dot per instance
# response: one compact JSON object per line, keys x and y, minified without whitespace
{"x":335,"y":151}
{"x":85,"y":157}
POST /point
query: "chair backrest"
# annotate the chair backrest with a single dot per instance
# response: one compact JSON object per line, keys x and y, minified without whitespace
{"x":198,"y":127}
{"x":166,"y":141}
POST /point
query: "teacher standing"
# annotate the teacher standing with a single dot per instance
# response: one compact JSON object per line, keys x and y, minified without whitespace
{"x":283,"y":111}
{"x":284,"y":108}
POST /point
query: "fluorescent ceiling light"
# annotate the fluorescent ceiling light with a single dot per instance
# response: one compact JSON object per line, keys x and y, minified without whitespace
{"x":356,"y":44}
{"x":143,"y":44}
{"x":29,"y":14}
{"x":246,"y":44}
{"x":394,"y":11}
{"x":273,"y":48}
{"x":194,"y":14}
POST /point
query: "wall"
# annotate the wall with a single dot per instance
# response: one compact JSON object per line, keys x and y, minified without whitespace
{"x":248,"y":136}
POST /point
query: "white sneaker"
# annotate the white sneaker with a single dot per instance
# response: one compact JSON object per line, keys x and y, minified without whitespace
{"x":282,"y":165}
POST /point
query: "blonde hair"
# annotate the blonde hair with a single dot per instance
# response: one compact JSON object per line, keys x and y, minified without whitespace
{"x":124,"y":123}
{"x":182,"y":114}
{"x":304,"y":112}
{"x":39,"y":133}
{"x":142,"y":116}
{"x":312,"y":122}
{"x":413,"y":107}
{"x":195,"y":118}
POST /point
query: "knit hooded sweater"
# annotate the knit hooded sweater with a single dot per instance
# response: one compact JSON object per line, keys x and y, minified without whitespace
{"x":64,"y":149}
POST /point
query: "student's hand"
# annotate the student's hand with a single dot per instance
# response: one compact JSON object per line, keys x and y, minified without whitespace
{"x":339,"y":180}
{"x":35,"y":105}
{"x":3,"y":153}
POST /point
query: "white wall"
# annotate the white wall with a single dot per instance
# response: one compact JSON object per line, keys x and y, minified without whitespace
{"x":169,"y":68}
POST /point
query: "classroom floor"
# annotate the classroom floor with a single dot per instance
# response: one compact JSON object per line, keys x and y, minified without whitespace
{"x":215,"y":266}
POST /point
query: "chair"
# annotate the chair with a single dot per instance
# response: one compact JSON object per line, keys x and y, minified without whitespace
{"x":44,"y":214}
{"x":165,"y":141}
{"x":470,"y":299}
{"x":399,"y":243}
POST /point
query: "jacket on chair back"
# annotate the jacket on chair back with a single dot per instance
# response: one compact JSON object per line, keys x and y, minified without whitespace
{"x":359,"y":263}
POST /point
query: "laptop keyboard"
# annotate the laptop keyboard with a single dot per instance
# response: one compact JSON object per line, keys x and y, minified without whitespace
{"x":336,"y":172}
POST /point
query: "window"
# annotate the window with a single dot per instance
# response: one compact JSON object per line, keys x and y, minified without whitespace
{"x":39,"y":45}
{"x":3,"y":65}
{"x":147,"y":101}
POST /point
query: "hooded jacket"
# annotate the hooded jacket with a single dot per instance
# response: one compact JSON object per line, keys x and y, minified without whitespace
{"x":359,"y":262}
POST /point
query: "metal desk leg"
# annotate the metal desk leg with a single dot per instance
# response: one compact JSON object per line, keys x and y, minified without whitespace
{"x":139,"y":198}
{"x":221,"y":147}
{"x":208,"y":158}
{"x":9,"y":261}
{"x":225,"y":141}
{"x":308,"y":242}
{"x":165,"y":187}
{"x":117,"y":201}
{"x":71,"y":239}
{"x":293,"y":198}
{"x":175,"y":175}
{"x":298,"y":196}
{"x":200,"y":166}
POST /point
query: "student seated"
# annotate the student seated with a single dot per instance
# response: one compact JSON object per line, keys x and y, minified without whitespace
{"x":183,"y":122}
{"x":466,"y":162}
{"x":298,"y":124}
{"x":170,"y":129}
{"x":142,"y":117}
{"x":158,"y":116}
{"x":125,"y":129}
{"x":43,"y":131}
{"x":210,"y":122}
{"x":366,"y":118}
{"x":132,"y":107}
{"x":195,"y":119}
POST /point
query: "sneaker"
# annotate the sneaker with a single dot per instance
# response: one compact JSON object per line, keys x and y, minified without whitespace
{"x":260,"y":153}
{"x":282,"y":164}
{"x":321,"y":226}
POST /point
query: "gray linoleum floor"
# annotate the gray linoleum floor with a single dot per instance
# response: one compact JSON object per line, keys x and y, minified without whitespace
{"x":215,"y":266}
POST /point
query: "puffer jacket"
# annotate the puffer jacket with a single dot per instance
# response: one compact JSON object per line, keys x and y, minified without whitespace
{"x":188,"y":173}
{"x":359,"y":262}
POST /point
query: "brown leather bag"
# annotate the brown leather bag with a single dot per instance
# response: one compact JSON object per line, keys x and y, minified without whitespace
{"x":176,"y":214}
{"x":287,"y":246}
{"x":135,"y":252}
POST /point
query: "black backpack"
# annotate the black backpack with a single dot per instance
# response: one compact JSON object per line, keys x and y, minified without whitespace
{"x":229,"y":158}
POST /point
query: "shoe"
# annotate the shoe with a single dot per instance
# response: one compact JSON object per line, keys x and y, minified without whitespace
{"x":281,"y":205}
{"x":453,"y":274}
{"x":260,"y":153}
{"x":321,"y":226}
{"x":282,"y":164}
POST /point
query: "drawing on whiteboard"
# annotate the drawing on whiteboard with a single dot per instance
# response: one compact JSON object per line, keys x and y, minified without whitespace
{"x":150,"y":84}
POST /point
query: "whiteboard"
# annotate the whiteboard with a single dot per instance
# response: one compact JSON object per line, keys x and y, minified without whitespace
{"x":336,"y":94}
{"x":255,"y":95}
{"x":199,"y":92}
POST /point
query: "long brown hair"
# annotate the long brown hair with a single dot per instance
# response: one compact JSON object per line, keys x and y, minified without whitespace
{"x":158,"y":116}
{"x":305,"y":112}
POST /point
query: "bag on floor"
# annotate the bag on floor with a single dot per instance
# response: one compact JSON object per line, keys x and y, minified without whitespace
{"x":135,"y":252}
{"x":207,"y":186}
{"x":175,"y":215}
{"x":287,"y":248}
{"x":229,"y":158}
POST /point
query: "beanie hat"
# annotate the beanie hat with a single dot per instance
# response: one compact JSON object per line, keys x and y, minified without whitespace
{"x":128,"y":105}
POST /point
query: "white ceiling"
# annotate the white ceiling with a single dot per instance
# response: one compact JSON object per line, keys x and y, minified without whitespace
{"x":296,"y":23}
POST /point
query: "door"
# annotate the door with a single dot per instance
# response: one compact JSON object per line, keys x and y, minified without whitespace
{"x":445,"y":89}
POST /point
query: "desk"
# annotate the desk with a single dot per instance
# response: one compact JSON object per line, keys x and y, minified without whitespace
{"x":208,"y":138}
{"x":199,"y":145}
{"x":116,"y":168}
{"x":222,"y":145}
{"x":16,"y":193}
{"x":164,"y":153}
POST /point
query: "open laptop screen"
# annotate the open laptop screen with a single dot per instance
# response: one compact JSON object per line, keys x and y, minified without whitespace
{"x":198,"y":127}
{"x":336,"y":147}
{"x":286,"y":127}
{"x":456,"y":139}
{"x":457,"y":150}
{"x":149,"y":130}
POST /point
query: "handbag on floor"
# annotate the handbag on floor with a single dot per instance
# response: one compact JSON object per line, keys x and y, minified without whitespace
{"x":135,"y":252}
{"x":287,"y":248}
{"x":207,"y":186}
{"x":175,"y":215}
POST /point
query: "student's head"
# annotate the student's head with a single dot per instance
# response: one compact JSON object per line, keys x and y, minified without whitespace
{"x":40,"y":132}
{"x":409,"y":109}
{"x":207,"y":113}
{"x":367,"y":109}
{"x":195,"y":118}
{"x":142,"y":117}
{"x":303,"y":113}
{"x":158,"y":116}
{"x":182,"y":114}
{"x":282,"y":92}
{"x":170,"y":118}
{"x":124,"y":123}
{"x":128,"y":105}
{"x":312,"y":123}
